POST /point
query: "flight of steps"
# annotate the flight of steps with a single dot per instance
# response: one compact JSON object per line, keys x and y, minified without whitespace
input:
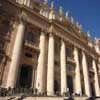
{"x":44,"y":98}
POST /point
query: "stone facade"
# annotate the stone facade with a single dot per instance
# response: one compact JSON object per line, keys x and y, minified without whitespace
{"x":44,"y":50}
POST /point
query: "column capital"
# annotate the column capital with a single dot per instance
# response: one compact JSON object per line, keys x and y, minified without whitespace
{"x":75,"y":48}
{"x":83,"y":52}
{"x":23,"y":17}
{"x":51,"y":35}
{"x":42,"y":33}
{"x":62,"y":41}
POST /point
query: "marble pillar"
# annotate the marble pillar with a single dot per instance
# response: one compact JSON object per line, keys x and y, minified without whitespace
{"x":50,"y":69}
{"x":15,"y":59}
{"x":96,"y":84}
{"x":63,"y":68}
{"x":41,"y":64}
{"x":86,"y":75}
{"x":77,"y":73}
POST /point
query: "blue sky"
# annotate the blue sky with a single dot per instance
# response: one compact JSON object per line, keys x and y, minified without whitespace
{"x":86,"y":12}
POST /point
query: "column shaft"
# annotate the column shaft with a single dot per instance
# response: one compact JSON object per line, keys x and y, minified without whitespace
{"x":15,"y":60}
{"x":77,"y":73}
{"x":97,"y":88}
{"x":86,"y":75}
{"x":63,"y":68}
{"x":50,"y":69}
{"x":41,"y":64}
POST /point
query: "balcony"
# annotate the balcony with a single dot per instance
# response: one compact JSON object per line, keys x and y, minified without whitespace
{"x":31,"y":45}
{"x":70,"y":60}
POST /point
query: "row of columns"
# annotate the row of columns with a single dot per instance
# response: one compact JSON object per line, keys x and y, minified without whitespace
{"x":13,"y":70}
{"x":50,"y":71}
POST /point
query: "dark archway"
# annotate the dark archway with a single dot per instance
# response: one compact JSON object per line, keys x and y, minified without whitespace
{"x":56,"y":86}
{"x":70,"y":83}
{"x":92,"y":89}
{"x":25,"y":79}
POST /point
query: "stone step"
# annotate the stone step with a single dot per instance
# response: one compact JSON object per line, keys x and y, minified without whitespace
{"x":42,"y":98}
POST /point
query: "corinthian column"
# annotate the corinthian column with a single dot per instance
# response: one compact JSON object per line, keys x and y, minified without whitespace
{"x":63,"y":68}
{"x":77,"y":73}
{"x":86,"y":75}
{"x":50,"y":69}
{"x":15,"y":59}
{"x":41,"y":64}
{"x":97,"y":88}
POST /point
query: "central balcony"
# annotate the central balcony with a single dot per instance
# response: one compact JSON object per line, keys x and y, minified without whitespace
{"x":31,"y":45}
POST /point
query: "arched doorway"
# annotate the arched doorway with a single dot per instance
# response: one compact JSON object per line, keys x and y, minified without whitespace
{"x":25,"y":79}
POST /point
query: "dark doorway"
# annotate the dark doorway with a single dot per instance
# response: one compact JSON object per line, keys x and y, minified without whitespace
{"x":92,"y":89}
{"x":70,"y":83}
{"x":56,"y":86}
{"x":25,"y":79}
{"x":83,"y":89}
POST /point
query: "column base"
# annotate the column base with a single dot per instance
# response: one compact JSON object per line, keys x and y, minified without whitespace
{"x":50,"y":94}
{"x":41,"y":92}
